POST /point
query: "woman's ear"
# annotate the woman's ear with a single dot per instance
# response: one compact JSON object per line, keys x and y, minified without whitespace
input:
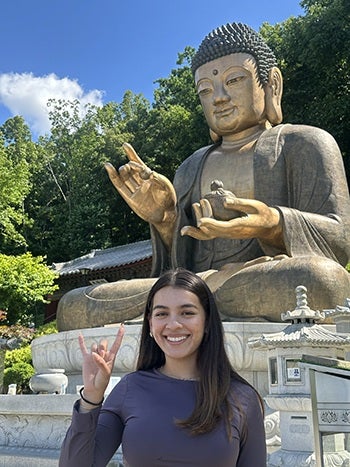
{"x":273,"y":96}
{"x":150,"y":326}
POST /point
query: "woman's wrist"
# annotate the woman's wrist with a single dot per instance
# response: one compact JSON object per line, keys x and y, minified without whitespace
{"x":85,"y":407}
{"x":92,"y":400}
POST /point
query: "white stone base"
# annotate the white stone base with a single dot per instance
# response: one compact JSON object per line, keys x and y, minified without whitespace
{"x":28,"y":457}
{"x":62,"y":351}
{"x":32,"y":427}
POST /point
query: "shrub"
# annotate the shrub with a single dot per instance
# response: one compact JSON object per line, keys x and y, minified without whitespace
{"x":21,"y":355}
{"x":18,"y":362}
{"x":20,"y":374}
{"x":25,"y":282}
{"x":49,"y":328}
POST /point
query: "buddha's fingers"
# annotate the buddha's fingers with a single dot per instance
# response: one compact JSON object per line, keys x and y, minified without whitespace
{"x":117,"y":181}
{"x":132,"y":154}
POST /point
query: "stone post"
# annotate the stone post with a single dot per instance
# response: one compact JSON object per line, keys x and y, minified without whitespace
{"x":2,"y":368}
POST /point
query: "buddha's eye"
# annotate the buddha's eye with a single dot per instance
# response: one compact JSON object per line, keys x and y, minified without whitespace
{"x":235,"y":80}
{"x":204,"y":91}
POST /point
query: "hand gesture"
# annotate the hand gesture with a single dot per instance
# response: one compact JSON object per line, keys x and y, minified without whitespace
{"x":150,"y":195}
{"x":257,"y":221}
{"x":98,"y":365}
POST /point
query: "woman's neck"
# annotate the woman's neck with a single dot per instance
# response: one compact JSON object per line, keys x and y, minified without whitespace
{"x":178,"y":371}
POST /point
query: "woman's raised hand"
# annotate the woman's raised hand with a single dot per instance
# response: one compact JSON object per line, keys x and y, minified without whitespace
{"x":98,"y":365}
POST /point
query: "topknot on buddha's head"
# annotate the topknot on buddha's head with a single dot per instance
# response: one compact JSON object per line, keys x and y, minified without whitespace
{"x":235,"y":38}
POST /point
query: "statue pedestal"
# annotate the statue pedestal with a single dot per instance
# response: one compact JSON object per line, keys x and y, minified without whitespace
{"x":32,"y":427}
{"x":62,"y":351}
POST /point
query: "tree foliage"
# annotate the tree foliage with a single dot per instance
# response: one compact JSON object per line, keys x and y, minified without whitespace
{"x":314,"y":54}
{"x":25,"y":282}
{"x":17,"y":156}
{"x":72,"y":203}
{"x":21,"y":355}
{"x":55,"y":196}
{"x":19,"y":374}
{"x":18,"y":365}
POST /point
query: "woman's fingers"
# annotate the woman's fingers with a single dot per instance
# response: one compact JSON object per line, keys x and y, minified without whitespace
{"x":118,"y":340}
{"x":82,"y":345}
{"x":100,"y":351}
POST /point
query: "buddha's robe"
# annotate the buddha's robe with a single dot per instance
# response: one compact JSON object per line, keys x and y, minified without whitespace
{"x":298,"y":170}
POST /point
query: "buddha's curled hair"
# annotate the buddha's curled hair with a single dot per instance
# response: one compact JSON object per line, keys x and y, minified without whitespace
{"x":235,"y":38}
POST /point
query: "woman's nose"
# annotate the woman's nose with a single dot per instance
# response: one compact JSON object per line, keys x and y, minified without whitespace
{"x":174,"y":322}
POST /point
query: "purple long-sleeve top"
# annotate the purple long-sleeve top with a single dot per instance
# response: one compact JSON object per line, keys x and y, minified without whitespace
{"x":140,"y":414}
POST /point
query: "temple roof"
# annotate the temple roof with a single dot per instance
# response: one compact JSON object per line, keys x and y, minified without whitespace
{"x":300,"y":335}
{"x":339,"y":311}
{"x":105,"y":259}
{"x":303,"y":330}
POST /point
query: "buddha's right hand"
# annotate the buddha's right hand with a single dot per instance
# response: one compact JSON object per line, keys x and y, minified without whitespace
{"x":150,"y":195}
{"x":98,"y":365}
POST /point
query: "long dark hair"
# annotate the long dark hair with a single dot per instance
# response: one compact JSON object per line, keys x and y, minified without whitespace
{"x":215,"y":370}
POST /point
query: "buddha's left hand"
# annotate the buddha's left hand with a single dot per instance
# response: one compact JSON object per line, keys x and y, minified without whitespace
{"x":257,"y":221}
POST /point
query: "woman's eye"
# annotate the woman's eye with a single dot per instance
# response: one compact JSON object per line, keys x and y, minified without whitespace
{"x":160,"y":314}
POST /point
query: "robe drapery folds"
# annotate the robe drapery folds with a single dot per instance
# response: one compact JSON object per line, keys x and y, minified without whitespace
{"x":299,"y":170}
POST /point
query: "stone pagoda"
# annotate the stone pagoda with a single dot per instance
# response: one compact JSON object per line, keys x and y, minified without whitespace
{"x":289,"y":386}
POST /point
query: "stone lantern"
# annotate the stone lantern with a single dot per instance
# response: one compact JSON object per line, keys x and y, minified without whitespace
{"x":289,"y":386}
{"x":340,"y":315}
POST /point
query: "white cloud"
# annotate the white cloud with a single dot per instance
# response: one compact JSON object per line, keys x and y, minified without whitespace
{"x":27,"y":95}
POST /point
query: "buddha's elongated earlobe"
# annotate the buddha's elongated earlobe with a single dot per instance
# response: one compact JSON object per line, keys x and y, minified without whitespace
{"x":273,"y":96}
{"x":214,"y":137}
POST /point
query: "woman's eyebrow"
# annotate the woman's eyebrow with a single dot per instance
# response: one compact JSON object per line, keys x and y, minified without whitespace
{"x":188,"y":305}
{"x":184,"y":305}
{"x":159,"y":307}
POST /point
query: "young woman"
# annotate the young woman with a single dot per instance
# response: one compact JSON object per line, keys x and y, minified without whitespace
{"x":183,"y":406}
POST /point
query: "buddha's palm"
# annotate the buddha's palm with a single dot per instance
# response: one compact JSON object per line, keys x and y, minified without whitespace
{"x":150,"y":195}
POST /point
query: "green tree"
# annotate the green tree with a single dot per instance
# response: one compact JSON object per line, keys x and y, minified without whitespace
{"x":21,"y":160}
{"x":314,"y":54}
{"x":64,"y":188}
{"x":19,"y":374}
{"x":17,"y":158}
{"x":130,"y":124}
{"x":25,"y":283}
{"x":73,"y":205}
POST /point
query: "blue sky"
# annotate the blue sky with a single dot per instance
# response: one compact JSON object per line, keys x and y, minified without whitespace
{"x":96,"y":50}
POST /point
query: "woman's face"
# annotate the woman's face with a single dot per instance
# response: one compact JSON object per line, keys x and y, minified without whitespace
{"x":177,"y":323}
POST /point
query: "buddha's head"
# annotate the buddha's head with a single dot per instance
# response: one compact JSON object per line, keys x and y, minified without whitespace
{"x":237,"y":80}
